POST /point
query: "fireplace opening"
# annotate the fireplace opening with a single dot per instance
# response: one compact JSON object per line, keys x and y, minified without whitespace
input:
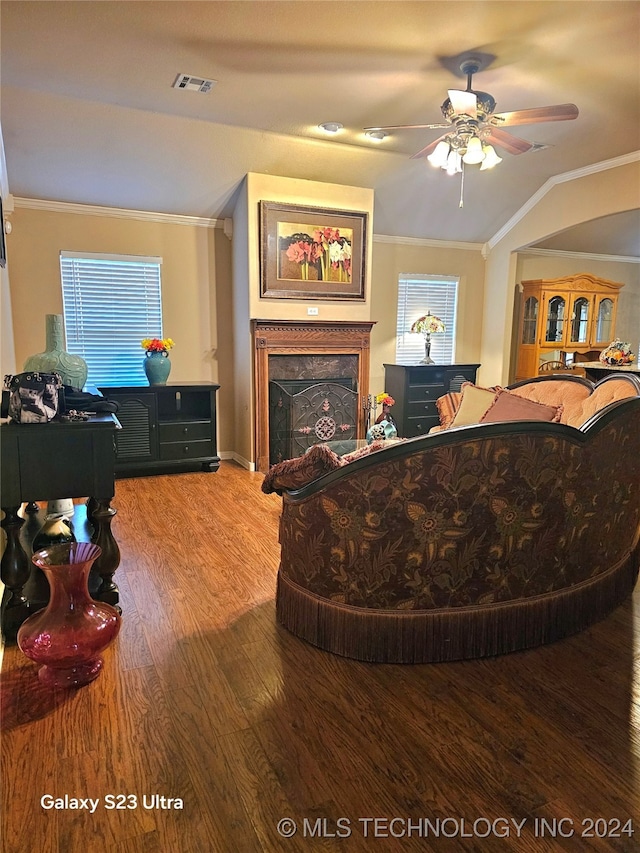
{"x":306,"y":412}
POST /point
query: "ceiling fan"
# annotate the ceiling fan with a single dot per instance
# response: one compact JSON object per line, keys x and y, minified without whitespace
{"x":473,"y":128}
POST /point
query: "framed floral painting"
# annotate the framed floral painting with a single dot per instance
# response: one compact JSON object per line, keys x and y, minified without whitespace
{"x":311,"y":252}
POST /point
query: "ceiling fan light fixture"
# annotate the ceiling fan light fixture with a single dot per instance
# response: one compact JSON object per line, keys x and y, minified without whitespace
{"x":454,"y":163}
{"x":438,"y":157}
{"x":491,"y":159}
{"x":376,"y":135}
{"x":463,"y":103}
{"x":474,"y":153}
{"x":331,"y":126}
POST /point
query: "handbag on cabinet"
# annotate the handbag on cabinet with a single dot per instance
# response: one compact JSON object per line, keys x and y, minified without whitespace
{"x":34,"y":398}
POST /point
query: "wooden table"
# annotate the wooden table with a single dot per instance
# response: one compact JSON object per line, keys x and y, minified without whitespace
{"x":42,"y":462}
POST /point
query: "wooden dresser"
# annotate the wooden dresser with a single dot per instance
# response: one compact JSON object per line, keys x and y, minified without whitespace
{"x":416,"y":387}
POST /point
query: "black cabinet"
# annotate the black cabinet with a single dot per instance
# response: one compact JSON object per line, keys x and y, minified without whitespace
{"x":165,"y":428}
{"x":416,"y":387}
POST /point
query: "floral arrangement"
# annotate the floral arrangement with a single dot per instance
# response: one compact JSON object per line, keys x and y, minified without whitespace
{"x":618,"y":352}
{"x":157,"y":344}
{"x":326,"y":250}
{"x":428,"y":324}
{"x":385,"y":399}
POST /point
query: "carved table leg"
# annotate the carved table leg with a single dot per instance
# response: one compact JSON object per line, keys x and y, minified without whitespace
{"x":92,"y":506}
{"x":109,"y":560}
{"x":15,"y":570}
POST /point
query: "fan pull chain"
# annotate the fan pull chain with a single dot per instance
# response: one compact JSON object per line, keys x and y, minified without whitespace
{"x":461,"y":205}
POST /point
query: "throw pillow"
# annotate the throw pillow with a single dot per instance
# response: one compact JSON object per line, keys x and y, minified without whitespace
{"x":473,"y":404}
{"x":296,"y":473}
{"x":511,"y":407}
{"x":447,"y":406}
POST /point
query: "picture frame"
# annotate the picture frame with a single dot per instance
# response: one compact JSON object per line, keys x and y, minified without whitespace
{"x":312,"y":252}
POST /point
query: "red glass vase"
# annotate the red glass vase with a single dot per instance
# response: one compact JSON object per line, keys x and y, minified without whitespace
{"x":68,"y":636}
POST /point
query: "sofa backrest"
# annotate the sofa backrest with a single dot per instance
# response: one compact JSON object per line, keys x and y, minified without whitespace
{"x":579,"y":397}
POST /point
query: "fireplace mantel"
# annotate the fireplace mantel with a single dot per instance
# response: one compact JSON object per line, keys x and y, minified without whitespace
{"x":296,"y":337}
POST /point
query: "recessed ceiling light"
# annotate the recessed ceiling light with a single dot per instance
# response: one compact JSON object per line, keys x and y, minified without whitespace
{"x":194,"y":84}
{"x":331,"y":126}
{"x":376,"y":135}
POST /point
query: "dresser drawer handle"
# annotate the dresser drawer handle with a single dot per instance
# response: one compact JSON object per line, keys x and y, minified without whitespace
{"x":185,"y":430}
{"x":185,"y":449}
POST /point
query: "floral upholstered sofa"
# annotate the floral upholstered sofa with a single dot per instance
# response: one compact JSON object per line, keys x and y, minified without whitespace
{"x":476,"y":540}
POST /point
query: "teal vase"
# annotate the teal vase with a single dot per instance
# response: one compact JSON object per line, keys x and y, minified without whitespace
{"x":157,"y":366}
{"x":72,"y":368}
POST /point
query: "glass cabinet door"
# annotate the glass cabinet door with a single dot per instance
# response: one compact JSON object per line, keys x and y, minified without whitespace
{"x":580,"y":321}
{"x":556,"y":317}
{"x":604,"y":324}
{"x":530,"y":321}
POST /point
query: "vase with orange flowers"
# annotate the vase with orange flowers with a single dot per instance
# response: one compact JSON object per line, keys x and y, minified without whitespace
{"x":157,"y":364}
{"x":386,"y":401}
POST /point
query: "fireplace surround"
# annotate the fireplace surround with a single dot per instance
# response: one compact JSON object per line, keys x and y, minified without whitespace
{"x":315,"y":350}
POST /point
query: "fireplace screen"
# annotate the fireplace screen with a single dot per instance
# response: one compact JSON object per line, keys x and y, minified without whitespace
{"x":304,"y":413}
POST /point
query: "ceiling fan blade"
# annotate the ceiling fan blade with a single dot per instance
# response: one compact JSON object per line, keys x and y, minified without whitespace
{"x":558,"y":112}
{"x":424,"y":152}
{"x":463,"y":103}
{"x":409,"y":126}
{"x":510,"y":143}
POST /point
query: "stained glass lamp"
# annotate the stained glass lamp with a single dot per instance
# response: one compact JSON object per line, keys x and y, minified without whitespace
{"x":428,"y":325}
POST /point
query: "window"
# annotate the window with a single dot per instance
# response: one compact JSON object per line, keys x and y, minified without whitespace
{"x":110,"y":303}
{"x":417,"y":295}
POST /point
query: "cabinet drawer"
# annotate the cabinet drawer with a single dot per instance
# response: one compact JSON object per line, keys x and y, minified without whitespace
{"x":185,"y":450}
{"x":418,"y":393}
{"x":420,"y":426}
{"x":422,"y":409}
{"x":421,"y":374}
{"x":191,"y":430}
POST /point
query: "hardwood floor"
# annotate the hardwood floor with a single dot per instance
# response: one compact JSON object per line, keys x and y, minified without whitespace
{"x":205,"y":698}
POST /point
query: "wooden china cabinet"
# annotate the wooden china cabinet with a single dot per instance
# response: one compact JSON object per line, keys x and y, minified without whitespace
{"x":574,"y":314}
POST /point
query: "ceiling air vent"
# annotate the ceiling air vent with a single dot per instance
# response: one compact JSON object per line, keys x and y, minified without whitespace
{"x":195,"y":84}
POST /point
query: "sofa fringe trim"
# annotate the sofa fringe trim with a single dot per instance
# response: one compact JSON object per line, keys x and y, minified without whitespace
{"x":429,"y":636}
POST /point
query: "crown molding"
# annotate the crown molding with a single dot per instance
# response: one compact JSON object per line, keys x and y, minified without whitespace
{"x":116,"y":212}
{"x":585,"y":256}
{"x":433,"y":244}
{"x":604,"y":166}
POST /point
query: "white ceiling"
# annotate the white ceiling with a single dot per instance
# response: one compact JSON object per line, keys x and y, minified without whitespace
{"x":89,"y":114}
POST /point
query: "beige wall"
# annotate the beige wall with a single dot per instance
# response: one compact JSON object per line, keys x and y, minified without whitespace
{"x":314,"y":194}
{"x":568,"y":203}
{"x":390,"y":258}
{"x":196,"y":265}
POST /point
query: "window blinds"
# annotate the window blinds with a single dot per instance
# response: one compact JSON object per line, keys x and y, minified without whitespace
{"x":110,"y":303}
{"x":417,"y":295}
